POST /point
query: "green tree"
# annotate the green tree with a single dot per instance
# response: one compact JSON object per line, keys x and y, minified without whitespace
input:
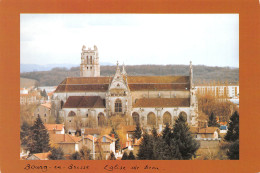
{"x":146,"y":147}
{"x":85,"y":153}
{"x":138,"y":132}
{"x":39,"y":138}
{"x":154,"y":133}
{"x":233,"y":151}
{"x":213,"y":120}
{"x":25,"y":133}
{"x":131,"y":156}
{"x":233,"y":128}
{"x":162,"y":151}
{"x":117,"y":143}
{"x":125,"y":156}
{"x":185,"y":146}
{"x":75,"y":156}
{"x":56,"y":154}
{"x":167,"y":134}
{"x":112,"y":156}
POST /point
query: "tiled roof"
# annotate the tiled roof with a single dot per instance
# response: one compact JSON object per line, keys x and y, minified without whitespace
{"x":206,"y":130}
{"x":84,"y":102}
{"x":47,"y":105}
{"x":42,"y":156}
{"x":92,"y":131}
{"x":162,"y":102}
{"x":91,"y":138}
{"x":50,"y":127}
{"x":136,"y":83}
{"x":109,"y":137}
{"x":64,"y":138}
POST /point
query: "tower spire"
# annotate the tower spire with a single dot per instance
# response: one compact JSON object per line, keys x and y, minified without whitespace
{"x":123,"y":70}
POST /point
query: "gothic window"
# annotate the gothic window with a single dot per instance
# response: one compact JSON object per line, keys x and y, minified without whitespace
{"x":135,"y":116}
{"x":90,"y":59}
{"x":167,"y":119}
{"x":118,"y":106}
{"x":87,"y":59}
{"x":87,"y":67}
{"x":87,"y":115}
{"x":101,"y":119}
{"x":118,"y":85}
{"x":90,"y":67}
{"x":151,"y":119}
{"x":71,"y":114}
{"x":184,"y":115}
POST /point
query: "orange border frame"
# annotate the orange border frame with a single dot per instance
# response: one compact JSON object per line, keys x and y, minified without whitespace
{"x":249,"y":49}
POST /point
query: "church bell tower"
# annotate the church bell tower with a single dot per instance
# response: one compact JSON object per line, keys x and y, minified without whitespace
{"x":89,"y":66}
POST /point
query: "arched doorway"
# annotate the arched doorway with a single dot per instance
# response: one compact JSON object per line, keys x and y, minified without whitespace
{"x":71,"y":114}
{"x":118,"y":106}
{"x":184,"y":115}
{"x":101,"y":119}
{"x":135,"y":116}
{"x":167,"y":118}
{"x":151,"y":119}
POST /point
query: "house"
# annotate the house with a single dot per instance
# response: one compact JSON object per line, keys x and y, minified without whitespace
{"x":55,"y":128}
{"x":205,"y":133}
{"x":68,"y":143}
{"x":39,"y":156}
{"x":208,"y":137}
{"x":44,"y":111}
{"x":28,"y":98}
{"x":106,"y":145}
{"x":90,"y":142}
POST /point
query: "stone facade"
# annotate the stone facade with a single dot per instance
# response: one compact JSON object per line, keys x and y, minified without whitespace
{"x":150,"y":100}
{"x":89,"y":66}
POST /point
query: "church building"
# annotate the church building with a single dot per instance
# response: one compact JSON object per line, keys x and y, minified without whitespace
{"x":151,"y":101}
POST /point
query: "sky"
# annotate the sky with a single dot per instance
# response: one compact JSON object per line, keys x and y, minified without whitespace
{"x":132,"y":39}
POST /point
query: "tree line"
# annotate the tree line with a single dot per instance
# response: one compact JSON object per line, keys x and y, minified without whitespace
{"x":201,"y":73}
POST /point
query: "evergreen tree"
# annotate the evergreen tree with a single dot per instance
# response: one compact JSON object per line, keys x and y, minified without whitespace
{"x":39,"y":138}
{"x":125,"y":156}
{"x":75,"y":156}
{"x":233,"y":151}
{"x":138,"y":131}
{"x":117,"y":143}
{"x":184,"y":144}
{"x":146,"y":147}
{"x":213,"y":120}
{"x":112,"y":156}
{"x":167,"y":134}
{"x":233,"y":128}
{"x":131,"y":156}
{"x":162,"y":151}
{"x":154,"y":133}
{"x":25,"y":133}
{"x":56,"y":154}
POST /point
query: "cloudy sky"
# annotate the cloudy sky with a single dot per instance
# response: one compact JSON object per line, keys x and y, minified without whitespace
{"x":208,"y":39}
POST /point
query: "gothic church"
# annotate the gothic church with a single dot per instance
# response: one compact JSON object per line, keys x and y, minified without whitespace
{"x":151,"y":101}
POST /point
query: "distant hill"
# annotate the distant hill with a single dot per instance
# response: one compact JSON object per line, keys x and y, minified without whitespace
{"x":48,"y":67}
{"x":201,"y":73}
{"x":25,"y":83}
